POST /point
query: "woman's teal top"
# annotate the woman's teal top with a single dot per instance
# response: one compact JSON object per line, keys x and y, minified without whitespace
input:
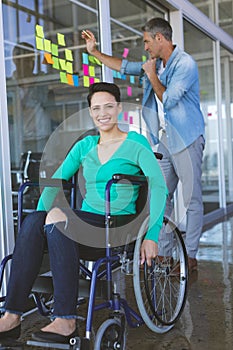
{"x":133,"y":156}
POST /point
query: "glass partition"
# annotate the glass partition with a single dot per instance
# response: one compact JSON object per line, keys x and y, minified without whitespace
{"x":48,"y":74}
{"x":200,"y":47}
{"x":227,"y":114}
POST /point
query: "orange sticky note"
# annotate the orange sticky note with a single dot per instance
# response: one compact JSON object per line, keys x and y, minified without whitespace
{"x":48,"y":58}
{"x":70,"y":79}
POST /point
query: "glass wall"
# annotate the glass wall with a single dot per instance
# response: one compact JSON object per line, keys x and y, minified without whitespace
{"x":200,"y":47}
{"x":227,"y":115}
{"x":220,"y":12}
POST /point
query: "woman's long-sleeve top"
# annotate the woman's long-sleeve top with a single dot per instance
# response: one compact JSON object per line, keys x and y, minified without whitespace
{"x":132,"y":157}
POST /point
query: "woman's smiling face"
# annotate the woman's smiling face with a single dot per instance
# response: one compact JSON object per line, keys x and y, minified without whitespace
{"x":104,"y":110}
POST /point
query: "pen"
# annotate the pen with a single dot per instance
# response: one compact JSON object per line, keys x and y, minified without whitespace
{"x":88,"y":35}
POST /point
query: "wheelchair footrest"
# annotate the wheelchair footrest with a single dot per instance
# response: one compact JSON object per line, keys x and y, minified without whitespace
{"x":11,"y":345}
{"x":77,"y":343}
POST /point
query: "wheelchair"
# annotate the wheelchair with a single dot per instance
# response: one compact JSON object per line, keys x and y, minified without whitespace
{"x":160,"y":289}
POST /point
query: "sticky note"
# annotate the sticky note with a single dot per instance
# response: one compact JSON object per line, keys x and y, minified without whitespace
{"x":123,"y":76}
{"x":91,"y":71}
{"x":97,"y":80}
{"x":130,"y":120}
{"x":39,"y":43}
{"x":68,"y":55}
{"x":125,"y":53}
{"x":129,"y":91}
{"x":61,"y":39}
{"x":85,"y":69}
{"x":39,"y":31}
{"x":75,"y":80}
{"x":47,"y":45}
{"x":114,"y":72}
{"x":85,"y":58}
{"x":55,"y":62}
{"x":92,"y":80}
{"x":86,"y":81}
{"x":62,"y":63}
{"x":70,"y":79}
{"x":125,"y":116}
{"x":63,"y":77}
{"x":48,"y":58}
{"x":120,"y":116}
{"x":69,"y":67}
{"x":94,"y":60}
{"x":54,"y":49}
{"x":132,"y":79}
{"x":143,"y":58}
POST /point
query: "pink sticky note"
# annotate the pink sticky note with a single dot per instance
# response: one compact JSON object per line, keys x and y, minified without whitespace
{"x":92,"y":80}
{"x":131,"y":120}
{"x":125,"y":53}
{"x":125,"y":116}
{"x":129,"y":91}
{"x":85,"y":69}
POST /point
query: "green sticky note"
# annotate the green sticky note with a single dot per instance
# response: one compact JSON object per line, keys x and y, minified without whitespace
{"x":54,"y":49}
{"x":47,"y":45}
{"x":63,"y":77}
{"x":55,"y":62}
{"x":39,"y":31}
{"x":91,"y":71}
{"x":62,"y":63}
{"x":94,"y":60}
{"x":68,"y":55}
{"x":143,"y":58}
{"x":39,"y":43}
{"x":61,"y":39}
{"x":69,"y":67}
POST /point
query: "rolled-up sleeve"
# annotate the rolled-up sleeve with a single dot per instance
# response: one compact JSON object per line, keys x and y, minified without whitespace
{"x":131,"y":68}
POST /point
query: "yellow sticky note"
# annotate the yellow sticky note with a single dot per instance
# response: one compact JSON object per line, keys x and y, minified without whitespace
{"x":63,"y":78}
{"x":62,"y":63}
{"x":39,"y":43}
{"x":39,"y":31}
{"x":86,"y":81}
{"x":68,"y":55}
{"x":61,"y":39}
{"x":69,"y":67}
{"x":91,"y":71}
{"x":54,"y":49}
{"x":47,"y":45}
{"x":97,"y":80}
{"x":55,"y":62}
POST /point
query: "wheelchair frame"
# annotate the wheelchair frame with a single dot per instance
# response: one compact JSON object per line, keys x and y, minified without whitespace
{"x":158,"y":310}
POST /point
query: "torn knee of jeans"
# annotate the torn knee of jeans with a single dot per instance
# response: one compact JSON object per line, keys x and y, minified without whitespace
{"x":48,"y":228}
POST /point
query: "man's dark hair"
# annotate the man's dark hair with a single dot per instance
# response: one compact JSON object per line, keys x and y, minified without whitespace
{"x":111,"y":88}
{"x":158,"y":25}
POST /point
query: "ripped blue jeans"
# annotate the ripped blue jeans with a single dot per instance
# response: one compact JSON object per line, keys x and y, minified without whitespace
{"x":27,"y":259}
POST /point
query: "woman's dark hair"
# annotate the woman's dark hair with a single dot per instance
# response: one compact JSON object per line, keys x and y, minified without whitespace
{"x":158,"y":25}
{"x":111,"y":88}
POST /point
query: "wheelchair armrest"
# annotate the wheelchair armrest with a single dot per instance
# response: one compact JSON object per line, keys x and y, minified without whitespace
{"x":135,"y":179}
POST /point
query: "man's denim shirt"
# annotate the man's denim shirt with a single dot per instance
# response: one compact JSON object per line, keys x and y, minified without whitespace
{"x":184,"y":121}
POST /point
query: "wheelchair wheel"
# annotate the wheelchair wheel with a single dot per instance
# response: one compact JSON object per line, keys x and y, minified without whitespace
{"x":161,"y":289}
{"x":110,"y":335}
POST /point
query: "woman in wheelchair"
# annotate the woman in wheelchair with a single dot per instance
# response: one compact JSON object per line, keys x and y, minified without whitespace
{"x":66,"y":233}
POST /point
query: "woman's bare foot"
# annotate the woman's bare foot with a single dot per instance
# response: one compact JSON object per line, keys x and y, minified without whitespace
{"x":62,"y":326}
{"x":9,"y":321}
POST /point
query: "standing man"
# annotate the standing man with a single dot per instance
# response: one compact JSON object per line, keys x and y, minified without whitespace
{"x":171,"y":110}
